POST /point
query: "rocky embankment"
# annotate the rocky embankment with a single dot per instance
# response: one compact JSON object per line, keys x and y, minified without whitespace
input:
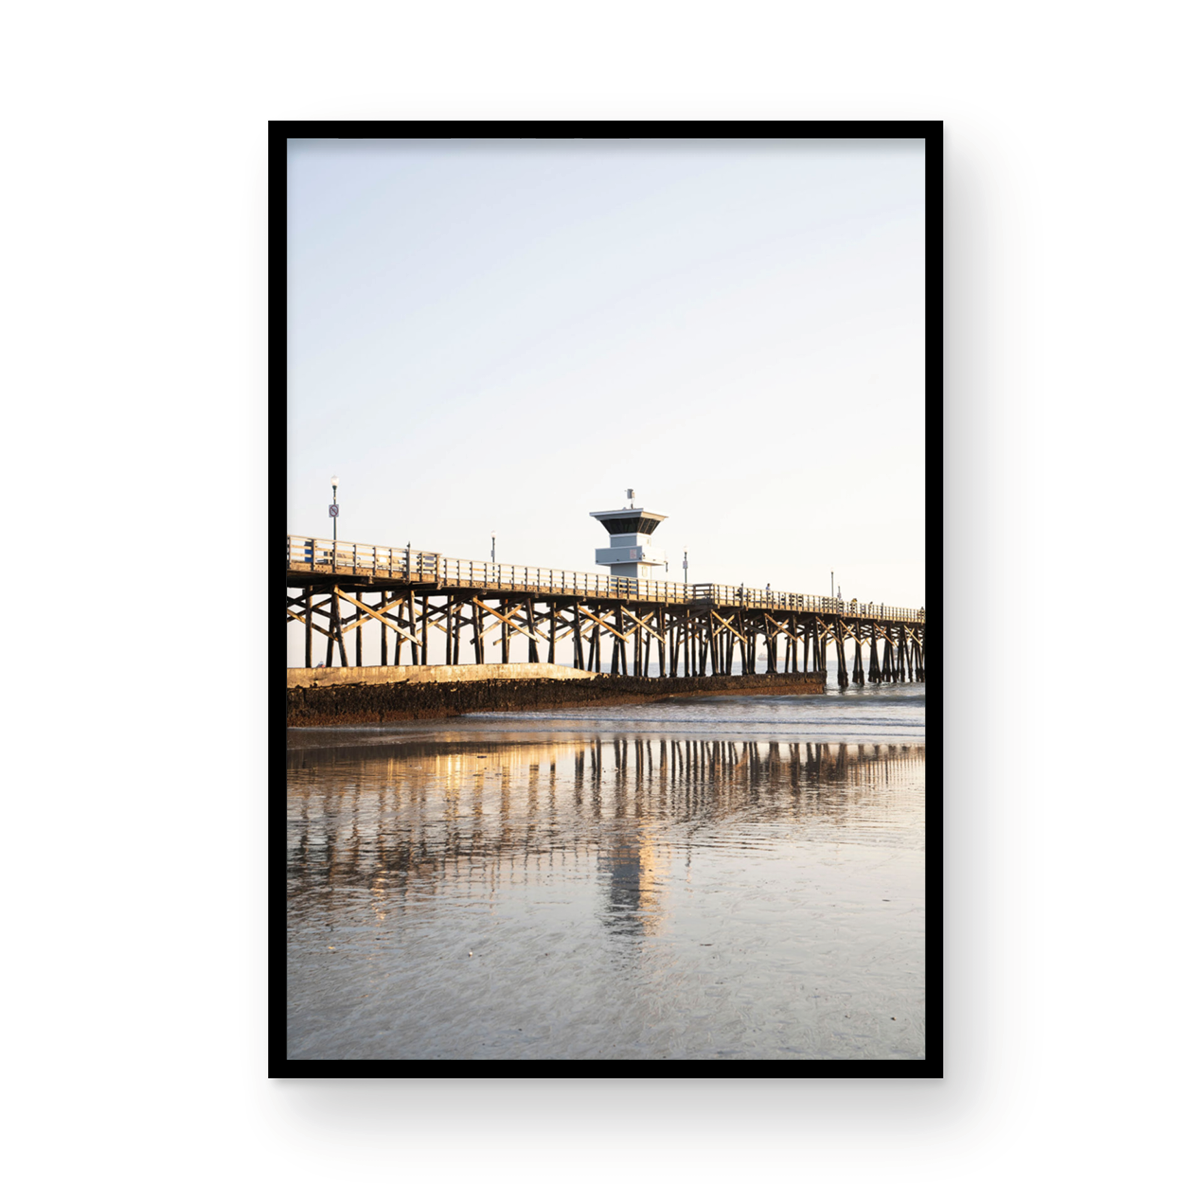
{"x":385,"y":703}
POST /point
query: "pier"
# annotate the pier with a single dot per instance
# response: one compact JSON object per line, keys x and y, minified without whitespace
{"x":400,"y":596}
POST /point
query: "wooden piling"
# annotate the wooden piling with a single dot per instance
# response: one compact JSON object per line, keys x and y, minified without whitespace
{"x":308,"y":614}
{"x":533,"y":650}
{"x":383,"y":630}
{"x":358,"y":630}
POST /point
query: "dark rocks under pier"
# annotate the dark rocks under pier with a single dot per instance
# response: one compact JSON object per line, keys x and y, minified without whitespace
{"x":386,"y":703}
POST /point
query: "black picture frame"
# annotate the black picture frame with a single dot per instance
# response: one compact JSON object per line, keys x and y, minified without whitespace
{"x":278,"y":135}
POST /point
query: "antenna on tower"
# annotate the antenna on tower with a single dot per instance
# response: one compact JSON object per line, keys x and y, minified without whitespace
{"x":629,"y":496}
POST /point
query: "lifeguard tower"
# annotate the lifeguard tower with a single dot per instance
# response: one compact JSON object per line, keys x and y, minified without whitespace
{"x":629,"y":553}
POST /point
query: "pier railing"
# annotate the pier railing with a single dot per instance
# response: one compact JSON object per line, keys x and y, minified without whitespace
{"x":321,"y":556}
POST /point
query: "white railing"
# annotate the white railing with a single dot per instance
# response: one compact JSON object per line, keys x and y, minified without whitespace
{"x":406,"y":565}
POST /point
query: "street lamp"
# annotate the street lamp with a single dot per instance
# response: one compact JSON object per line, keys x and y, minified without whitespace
{"x":333,"y":508}
{"x":685,"y":566}
{"x":493,"y":547}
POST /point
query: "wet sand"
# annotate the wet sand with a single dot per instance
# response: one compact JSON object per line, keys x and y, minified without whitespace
{"x":462,"y":894}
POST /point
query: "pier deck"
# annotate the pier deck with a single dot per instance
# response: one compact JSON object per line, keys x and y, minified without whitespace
{"x":696,"y":628}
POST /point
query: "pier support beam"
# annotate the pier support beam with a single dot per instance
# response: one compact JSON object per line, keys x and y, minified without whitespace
{"x":358,"y":637}
{"x":690,"y":632}
{"x":533,"y":650}
{"x":308,"y":611}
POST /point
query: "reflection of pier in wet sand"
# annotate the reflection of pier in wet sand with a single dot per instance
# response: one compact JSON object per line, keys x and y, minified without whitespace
{"x":503,"y":896}
{"x":414,"y":814}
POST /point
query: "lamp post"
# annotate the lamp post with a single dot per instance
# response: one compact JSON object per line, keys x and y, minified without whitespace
{"x":493,"y":547}
{"x":333,"y":508}
{"x":685,"y":566}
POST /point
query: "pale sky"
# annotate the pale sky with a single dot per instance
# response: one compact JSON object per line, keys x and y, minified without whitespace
{"x":508,"y":334}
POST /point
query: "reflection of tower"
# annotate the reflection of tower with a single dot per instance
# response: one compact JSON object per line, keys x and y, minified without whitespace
{"x":629,"y":855}
{"x":628,"y":552}
{"x":634,"y":892}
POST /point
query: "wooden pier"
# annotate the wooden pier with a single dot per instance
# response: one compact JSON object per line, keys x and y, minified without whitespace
{"x":336,"y":589}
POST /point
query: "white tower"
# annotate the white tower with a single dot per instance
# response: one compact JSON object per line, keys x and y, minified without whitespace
{"x":629,"y":552}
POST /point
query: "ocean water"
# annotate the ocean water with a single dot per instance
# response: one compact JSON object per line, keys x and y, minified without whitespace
{"x":722,"y":878}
